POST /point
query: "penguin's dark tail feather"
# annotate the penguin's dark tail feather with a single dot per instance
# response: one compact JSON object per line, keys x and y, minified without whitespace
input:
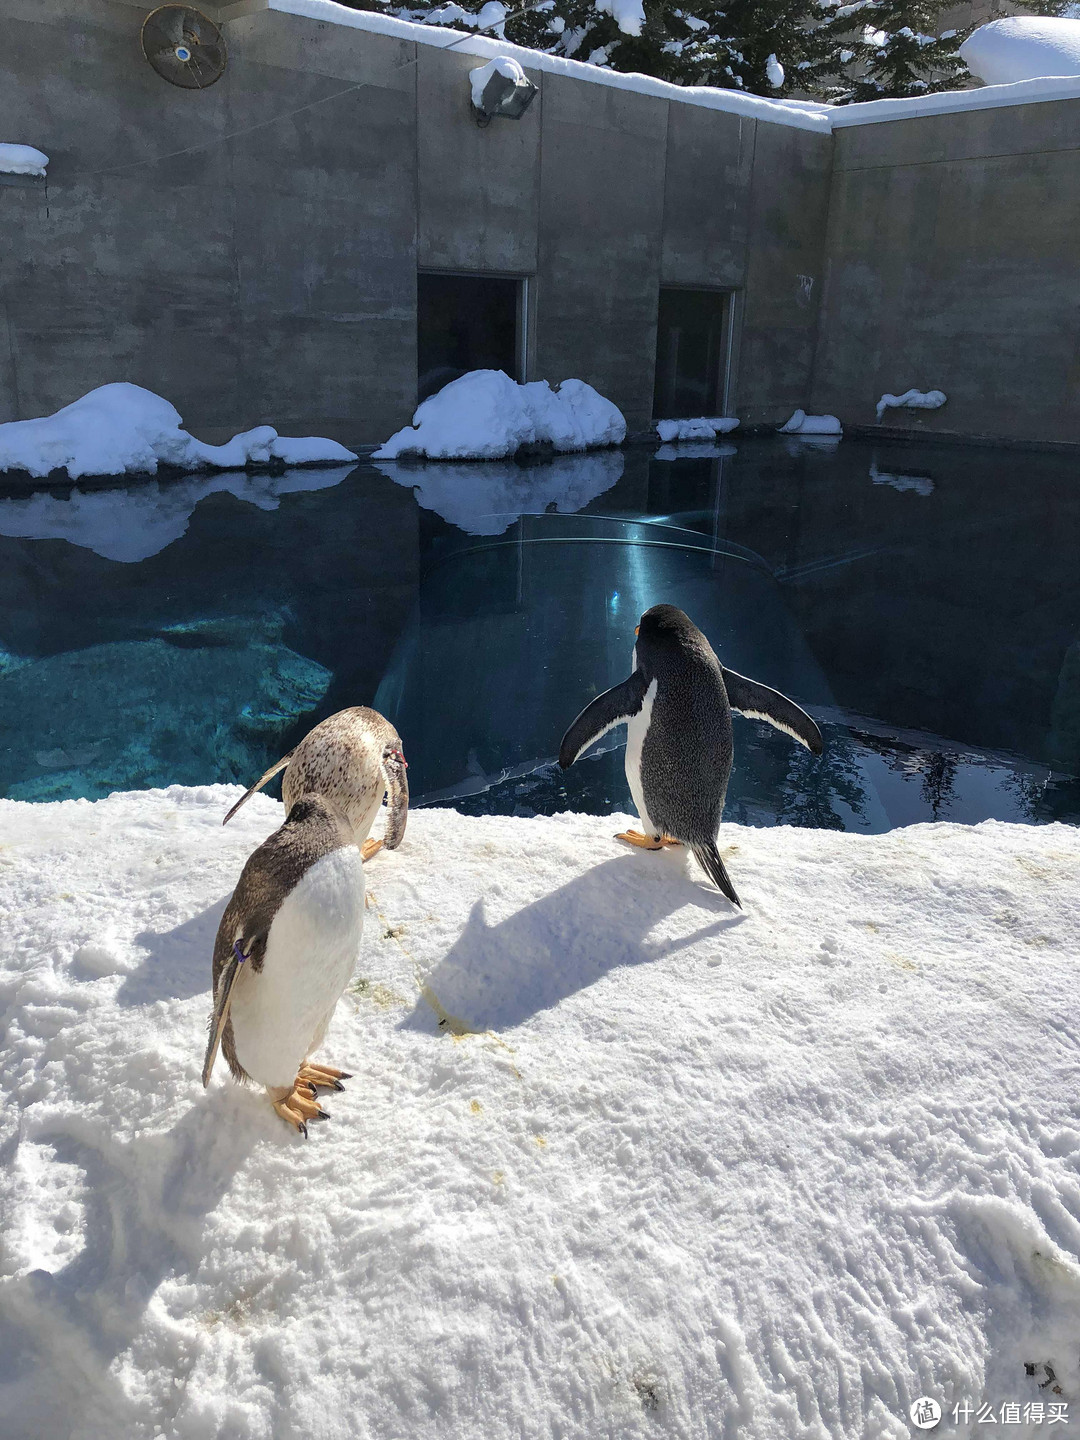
{"x":708,"y":857}
{"x":258,"y":785}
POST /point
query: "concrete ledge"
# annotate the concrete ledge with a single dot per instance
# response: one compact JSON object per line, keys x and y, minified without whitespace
{"x":893,"y":434}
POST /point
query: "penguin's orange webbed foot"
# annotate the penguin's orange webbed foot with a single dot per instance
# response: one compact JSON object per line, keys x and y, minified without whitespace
{"x":646,"y":842}
{"x":300,"y":1106}
{"x":324,"y":1076}
{"x":370,"y":848}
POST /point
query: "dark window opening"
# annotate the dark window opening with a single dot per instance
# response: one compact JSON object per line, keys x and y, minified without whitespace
{"x":465,"y":322}
{"x":691,"y":341}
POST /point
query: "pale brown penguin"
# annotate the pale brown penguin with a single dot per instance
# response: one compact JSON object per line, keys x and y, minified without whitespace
{"x":285,"y":950}
{"x":355,"y":759}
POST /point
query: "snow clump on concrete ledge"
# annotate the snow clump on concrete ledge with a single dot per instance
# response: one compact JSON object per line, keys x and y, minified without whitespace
{"x":912,"y":400}
{"x":22,"y":160}
{"x":803,"y":424}
{"x":122,"y":429}
{"x":663,"y":1170}
{"x":702,"y":427}
{"x":487,"y":416}
{"x":1023,"y":47}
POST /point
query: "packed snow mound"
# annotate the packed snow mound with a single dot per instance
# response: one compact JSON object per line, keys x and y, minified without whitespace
{"x":702,"y":427}
{"x":486,"y":499}
{"x":501,"y":65}
{"x":616,"y":1160}
{"x":1023,"y":47}
{"x":803,"y":424}
{"x":122,"y":429}
{"x":912,"y":400}
{"x":22,"y":160}
{"x":487,"y":416}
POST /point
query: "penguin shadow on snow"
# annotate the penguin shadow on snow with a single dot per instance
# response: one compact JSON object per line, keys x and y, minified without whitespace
{"x":496,"y":976}
{"x":177,"y":965}
{"x":145,"y":1201}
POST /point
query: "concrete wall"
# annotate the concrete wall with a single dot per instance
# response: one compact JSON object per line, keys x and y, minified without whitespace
{"x":954,"y":264}
{"x":269,"y":273}
{"x":251,"y":251}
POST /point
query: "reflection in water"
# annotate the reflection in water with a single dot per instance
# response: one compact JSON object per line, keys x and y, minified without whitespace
{"x":136,"y":521}
{"x":486,"y":498}
{"x":193,"y":631}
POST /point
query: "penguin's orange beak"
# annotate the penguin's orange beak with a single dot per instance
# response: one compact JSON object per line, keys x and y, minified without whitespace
{"x":636,"y":629}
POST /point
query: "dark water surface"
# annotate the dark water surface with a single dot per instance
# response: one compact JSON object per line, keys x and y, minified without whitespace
{"x":922,"y":601}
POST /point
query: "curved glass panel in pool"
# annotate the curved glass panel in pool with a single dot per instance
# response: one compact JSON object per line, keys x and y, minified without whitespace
{"x":922,"y":600}
{"x":512,"y":636}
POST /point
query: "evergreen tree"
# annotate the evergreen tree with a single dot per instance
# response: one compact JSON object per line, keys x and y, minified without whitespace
{"x":887,"y":49}
{"x":823,"y":49}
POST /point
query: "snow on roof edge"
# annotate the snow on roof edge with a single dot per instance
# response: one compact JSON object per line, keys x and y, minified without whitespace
{"x":781,"y":112}
{"x":802,"y":115}
{"x":987,"y":97}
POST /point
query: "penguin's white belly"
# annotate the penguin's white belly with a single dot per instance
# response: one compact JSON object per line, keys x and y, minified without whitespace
{"x":637,"y":727}
{"x":280,"y":1013}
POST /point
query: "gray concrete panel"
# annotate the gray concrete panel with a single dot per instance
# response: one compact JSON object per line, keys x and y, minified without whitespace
{"x":788,"y":208}
{"x":963,"y":277}
{"x":479,"y":188}
{"x":601,"y":217}
{"x":962,"y":135}
{"x":706,"y":191}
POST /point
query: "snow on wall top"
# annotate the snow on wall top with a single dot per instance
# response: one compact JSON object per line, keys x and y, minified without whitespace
{"x":799,"y":114}
{"x":1023,"y":47}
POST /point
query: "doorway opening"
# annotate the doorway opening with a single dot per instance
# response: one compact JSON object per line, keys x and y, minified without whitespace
{"x":468,"y":322}
{"x":692,"y":339}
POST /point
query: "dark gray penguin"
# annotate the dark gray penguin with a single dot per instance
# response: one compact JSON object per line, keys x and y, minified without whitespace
{"x":285,"y":950}
{"x":353,"y":758}
{"x":676,"y":707}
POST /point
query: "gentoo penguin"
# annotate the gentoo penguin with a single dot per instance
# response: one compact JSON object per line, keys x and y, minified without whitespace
{"x":353,"y":758}
{"x":285,"y":949}
{"x":677,"y":707}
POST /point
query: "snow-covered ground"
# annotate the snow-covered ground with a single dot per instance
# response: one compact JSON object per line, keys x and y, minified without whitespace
{"x":484,"y":415}
{"x":122,"y":429}
{"x":665,"y":1169}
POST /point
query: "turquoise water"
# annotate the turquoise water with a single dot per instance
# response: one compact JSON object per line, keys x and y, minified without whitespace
{"x":923,"y":601}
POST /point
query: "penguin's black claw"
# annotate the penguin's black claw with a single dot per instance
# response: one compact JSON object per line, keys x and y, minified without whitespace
{"x":302,"y":1127}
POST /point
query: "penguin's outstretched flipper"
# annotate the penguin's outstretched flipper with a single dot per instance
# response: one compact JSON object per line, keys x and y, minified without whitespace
{"x":708,"y":857}
{"x":613,"y":707}
{"x":258,"y":785}
{"x":397,"y":799}
{"x":758,"y":702}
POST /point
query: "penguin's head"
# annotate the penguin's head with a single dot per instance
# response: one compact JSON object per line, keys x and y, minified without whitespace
{"x":318,"y":810}
{"x":662,"y":631}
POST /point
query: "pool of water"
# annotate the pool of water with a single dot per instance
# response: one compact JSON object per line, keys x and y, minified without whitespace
{"x":922,"y":601}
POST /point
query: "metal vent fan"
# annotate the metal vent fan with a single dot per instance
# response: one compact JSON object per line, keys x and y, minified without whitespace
{"x":183,"y":46}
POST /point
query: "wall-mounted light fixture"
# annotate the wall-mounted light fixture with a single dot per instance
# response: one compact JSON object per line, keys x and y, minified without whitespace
{"x":501,"y":87}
